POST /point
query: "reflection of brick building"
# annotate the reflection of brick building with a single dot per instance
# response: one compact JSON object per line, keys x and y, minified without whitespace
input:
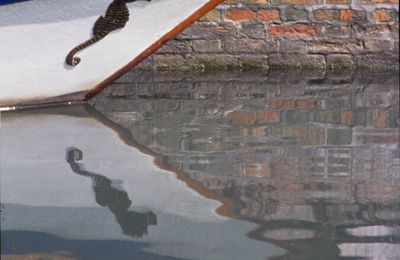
{"x":306,"y":164}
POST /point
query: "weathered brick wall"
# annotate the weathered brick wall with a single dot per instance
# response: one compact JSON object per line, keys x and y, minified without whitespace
{"x":274,"y":34}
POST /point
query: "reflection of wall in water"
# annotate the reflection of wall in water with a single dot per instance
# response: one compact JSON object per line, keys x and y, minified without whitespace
{"x":327,"y":160}
{"x":245,"y":128}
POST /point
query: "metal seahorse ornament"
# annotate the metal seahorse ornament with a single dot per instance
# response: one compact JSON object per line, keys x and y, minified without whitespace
{"x":116,"y":17}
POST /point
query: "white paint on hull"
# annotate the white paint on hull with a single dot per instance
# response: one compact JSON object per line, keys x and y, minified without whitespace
{"x":32,"y":53}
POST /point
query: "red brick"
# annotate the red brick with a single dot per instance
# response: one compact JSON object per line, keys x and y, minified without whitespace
{"x":268,"y":15}
{"x":346,"y":15}
{"x":296,"y":30}
{"x":346,"y":117}
{"x":380,"y":118}
{"x":326,"y":14}
{"x":306,"y":29}
{"x":381,"y":15}
{"x":241,"y":117}
{"x":268,"y":116}
{"x":306,"y":103}
{"x":240,"y":14}
{"x":283,"y":103}
{"x":258,"y":170}
{"x":352,"y":15}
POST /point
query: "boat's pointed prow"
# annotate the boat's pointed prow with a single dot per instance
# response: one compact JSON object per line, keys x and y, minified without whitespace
{"x":38,"y":54}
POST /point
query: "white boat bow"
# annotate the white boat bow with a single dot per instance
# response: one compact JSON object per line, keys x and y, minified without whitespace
{"x":37,"y":35}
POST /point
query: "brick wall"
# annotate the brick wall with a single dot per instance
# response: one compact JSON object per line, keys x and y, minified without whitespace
{"x":321,"y":35}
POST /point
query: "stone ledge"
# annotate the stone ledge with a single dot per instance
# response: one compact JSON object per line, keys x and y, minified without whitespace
{"x":336,"y":63}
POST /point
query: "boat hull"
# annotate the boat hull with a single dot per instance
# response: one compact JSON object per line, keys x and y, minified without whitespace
{"x":37,"y":36}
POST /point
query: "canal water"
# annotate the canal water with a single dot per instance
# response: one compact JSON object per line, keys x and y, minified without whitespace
{"x":238,"y":166}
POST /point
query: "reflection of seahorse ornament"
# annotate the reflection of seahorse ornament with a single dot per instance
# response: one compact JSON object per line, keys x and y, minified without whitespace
{"x":116,"y":17}
{"x":116,"y":200}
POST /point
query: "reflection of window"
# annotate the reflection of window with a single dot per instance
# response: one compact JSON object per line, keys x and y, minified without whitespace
{"x":373,"y":231}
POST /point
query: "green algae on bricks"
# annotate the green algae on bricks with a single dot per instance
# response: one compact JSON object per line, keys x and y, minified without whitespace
{"x":253,"y":65}
{"x":339,"y":63}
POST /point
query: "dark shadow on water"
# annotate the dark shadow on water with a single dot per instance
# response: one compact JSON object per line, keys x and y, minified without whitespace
{"x":25,"y":242}
{"x":132,"y":223}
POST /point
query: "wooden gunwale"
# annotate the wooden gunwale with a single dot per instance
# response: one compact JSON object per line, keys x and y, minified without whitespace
{"x":155,"y":46}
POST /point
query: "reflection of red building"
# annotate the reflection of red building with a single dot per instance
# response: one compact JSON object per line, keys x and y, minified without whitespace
{"x":319,"y":173}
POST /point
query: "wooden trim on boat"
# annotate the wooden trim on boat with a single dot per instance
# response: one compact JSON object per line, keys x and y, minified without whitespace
{"x":194,"y":17}
{"x":67,"y":99}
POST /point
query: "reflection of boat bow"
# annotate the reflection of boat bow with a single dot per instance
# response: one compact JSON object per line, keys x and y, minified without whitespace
{"x":60,"y":196}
